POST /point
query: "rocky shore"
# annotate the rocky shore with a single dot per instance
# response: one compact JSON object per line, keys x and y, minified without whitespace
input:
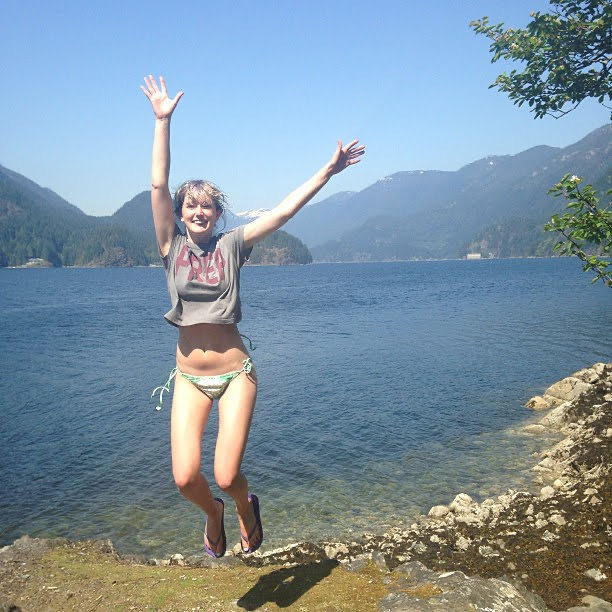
{"x":528,"y":551}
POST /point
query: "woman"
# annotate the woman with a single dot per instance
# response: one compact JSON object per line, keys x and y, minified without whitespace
{"x":203,"y":273}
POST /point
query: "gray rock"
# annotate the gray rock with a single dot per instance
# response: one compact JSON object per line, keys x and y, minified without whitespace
{"x":461,"y":504}
{"x":595,"y":574}
{"x":558,"y":417}
{"x":546,"y":492}
{"x":419,"y":548}
{"x":462,"y":543}
{"x":333,"y":550}
{"x":357,"y":565}
{"x":534,"y":428}
{"x":566,"y":390}
{"x":177,"y":559}
{"x":557,"y":519}
{"x":418,"y":588}
{"x":592,"y":604}
{"x":203,"y":560}
{"x":438,"y":512}
{"x":380,"y":561}
{"x":538,"y":403}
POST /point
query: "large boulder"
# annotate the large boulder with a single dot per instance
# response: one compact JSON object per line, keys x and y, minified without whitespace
{"x":417,"y":588}
{"x":566,"y":390}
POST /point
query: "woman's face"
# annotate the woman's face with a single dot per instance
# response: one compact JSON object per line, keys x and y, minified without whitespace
{"x":199,"y":216}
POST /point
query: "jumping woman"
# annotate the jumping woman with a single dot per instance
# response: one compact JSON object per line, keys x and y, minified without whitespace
{"x":212,"y":362}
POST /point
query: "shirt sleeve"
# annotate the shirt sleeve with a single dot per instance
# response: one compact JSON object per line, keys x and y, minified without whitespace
{"x":236,"y":239}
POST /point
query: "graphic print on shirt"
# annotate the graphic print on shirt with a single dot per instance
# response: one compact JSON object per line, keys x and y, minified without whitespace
{"x":209,"y":269}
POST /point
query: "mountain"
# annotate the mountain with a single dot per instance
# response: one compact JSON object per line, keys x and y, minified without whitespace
{"x":38,"y":226}
{"x":36,"y":194}
{"x":497,"y":204}
{"x":433,"y":214}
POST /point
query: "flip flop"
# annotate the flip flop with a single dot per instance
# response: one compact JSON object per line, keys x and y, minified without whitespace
{"x":252,"y":549}
{"x":214,"y":543}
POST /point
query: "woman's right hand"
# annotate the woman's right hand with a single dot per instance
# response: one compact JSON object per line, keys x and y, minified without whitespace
{"x":163,"y":105}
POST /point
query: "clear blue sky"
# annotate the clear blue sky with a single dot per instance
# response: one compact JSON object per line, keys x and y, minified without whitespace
{"x":269,"y":87}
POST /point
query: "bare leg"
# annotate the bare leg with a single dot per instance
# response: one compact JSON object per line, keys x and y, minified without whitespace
{"x":236,"y":408}
{"x":190,"y":411}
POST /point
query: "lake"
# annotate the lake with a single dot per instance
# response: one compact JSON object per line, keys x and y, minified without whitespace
{"x":384,"y":389}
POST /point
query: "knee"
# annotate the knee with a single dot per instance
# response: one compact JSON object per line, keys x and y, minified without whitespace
{"x":186,"y":480}
{"x":226,"y":479}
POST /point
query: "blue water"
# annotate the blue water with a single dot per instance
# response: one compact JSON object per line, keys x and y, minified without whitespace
{"x":383,"y":389}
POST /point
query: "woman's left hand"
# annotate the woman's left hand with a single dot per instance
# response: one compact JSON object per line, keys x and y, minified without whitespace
{"x":345,"y":156}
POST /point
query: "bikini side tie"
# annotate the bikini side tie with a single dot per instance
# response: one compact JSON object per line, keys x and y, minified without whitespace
{"x":164,"y":388}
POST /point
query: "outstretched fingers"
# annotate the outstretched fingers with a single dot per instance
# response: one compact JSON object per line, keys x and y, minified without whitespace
{"x":353,"y":153}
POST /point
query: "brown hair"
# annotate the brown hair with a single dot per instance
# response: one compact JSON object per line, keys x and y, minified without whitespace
{"x":198,"y":189}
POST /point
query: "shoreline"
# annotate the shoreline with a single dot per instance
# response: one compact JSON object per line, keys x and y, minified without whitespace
{"x":547,"y":549}
{"x":322,"y":262}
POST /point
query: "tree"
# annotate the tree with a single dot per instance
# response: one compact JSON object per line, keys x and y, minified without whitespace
{"x":567,"y":60}
{"x":583,"y":225}
{"x":566,"y":53}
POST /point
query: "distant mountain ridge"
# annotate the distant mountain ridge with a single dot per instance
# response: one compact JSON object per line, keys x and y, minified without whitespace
{"x":433,"y":214}
{"x":39,"y":227}
{"x":497,"y":204}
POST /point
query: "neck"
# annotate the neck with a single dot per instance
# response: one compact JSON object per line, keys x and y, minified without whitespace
{"x":200,"y":239}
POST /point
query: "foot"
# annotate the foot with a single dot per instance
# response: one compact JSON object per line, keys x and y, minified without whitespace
{"x":215,"y":542}
{"x":251,"y":531}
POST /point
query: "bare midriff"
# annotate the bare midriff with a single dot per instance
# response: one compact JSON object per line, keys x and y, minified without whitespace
{"x":208,"y":349}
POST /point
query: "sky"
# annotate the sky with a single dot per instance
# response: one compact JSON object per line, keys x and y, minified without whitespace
{"x":270,"y":86}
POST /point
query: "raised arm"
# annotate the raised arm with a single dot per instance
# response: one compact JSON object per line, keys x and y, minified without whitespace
{"x":161,"y":200}
{"x":342,"y":158}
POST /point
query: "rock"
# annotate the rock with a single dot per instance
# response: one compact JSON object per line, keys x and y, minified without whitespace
{"x":461,"y":504}
{"x":357,"y":565}
{"x":419,"y":548}
{"x":540,"y":523}
{"x":588,"y":375}
{"x":557,"y":519}
{"x":549,"y":537}
{"x":438,"y":512}
{"x":176,"y":559}
{"x":592,"y":604}
{"x":546,"y":492}
{"x":591,"y":491}
{"x":595,"y":574}
{"x":566,"y":390}
{"x":380,"y":561}
{"x":558,"y":417}
{"x":594,"y":501}
{"x":332,"y":551}
{"x":538,"y":403}
{"x":462,"y":543}
{"x":487,"y":551}
{"x":417,"y":588}
{"x":534,"y":428}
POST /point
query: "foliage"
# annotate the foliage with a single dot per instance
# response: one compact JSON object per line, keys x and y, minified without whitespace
{"x":586,"y":223}
{"x":566,"y":55}
{"x":280,"y":248}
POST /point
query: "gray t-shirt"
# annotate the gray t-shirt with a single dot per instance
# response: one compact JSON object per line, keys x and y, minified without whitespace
{"x":204,"y":283}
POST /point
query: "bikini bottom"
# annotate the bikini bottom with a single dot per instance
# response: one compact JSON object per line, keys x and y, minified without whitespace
{"x":212,"y":386}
